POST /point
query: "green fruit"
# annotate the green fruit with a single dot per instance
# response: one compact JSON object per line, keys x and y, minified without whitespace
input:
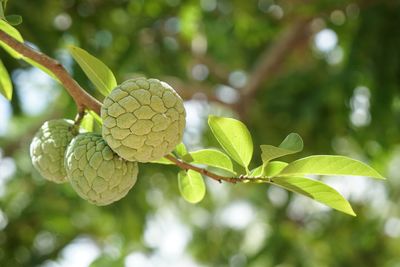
{"x":143,"y":119}
{"x":96,"y":173}
{"x":48,"y":148}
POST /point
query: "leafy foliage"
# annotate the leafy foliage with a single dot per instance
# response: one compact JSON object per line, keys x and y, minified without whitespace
{"x":315,"y":93}
{"x":191,"y":185}
{"x":5,"y":82}
{"x":292,"y":144}
{"x":329,"y":165}
{"x":10,"y":30}
{"x":101,"y":76}
{"x":234,"y":137}
{"x":210,"y":157}
{"x":317,"y":191}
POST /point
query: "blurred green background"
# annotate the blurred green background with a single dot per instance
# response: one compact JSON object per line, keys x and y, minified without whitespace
{"x":329,"y":70}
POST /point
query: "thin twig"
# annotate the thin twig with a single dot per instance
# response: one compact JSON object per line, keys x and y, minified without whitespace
{"x":84,"y":99}
{"x":80,"y":96}
{"x":219,"y":178}
{"x":187,"y":166}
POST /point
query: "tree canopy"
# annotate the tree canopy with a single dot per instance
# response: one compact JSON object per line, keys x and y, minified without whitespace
{"x":328,"y":70}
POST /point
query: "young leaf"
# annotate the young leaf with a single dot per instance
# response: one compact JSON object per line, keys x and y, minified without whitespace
{"x":315,"y":190}
{"x":7,"y":28}
{"x":6,"y":88}
{"x":329,"y":165}
{"x":181,"y":150}
{"x":191,"y":185}
{"x":256,"y":172}
{"x":292,"y":144}
{"x":234,"y":137}
{"x":2,"y":10}
{"x":14,"y":19}
{"x":163,"y":161}
{"x":88,"y":122}
{"x":101,"y":76}
{"x":96,"y":117}
{"x":273,"y":168}
{"x":211,"y":157}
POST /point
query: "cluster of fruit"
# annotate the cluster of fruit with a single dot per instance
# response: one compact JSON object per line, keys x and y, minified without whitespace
{"x":143,"y":120}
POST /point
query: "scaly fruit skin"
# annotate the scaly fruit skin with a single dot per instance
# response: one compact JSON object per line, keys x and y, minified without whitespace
{"x":96,"y":173}
{"x":143,"y":119}
{"x":48,"y":147}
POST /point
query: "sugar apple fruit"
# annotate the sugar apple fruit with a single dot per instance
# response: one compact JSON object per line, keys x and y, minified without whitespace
{"x":96,"y":173}
{"x":143,"y":119}
{"x":48,"y":148}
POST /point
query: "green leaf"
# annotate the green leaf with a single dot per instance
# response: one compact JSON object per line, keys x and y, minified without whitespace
{"x":96,"y":117}
{"x":272,"y":169}
{"x":10,"y":30}
{"x":191,"y":185}
{"x":329,"y":165}
{"x":7,"y":28}
{"x":315,"y":190}
{"x":2,"y":10}
{"x":97,"y":72}
{"x":5,"y":3}
{"x":88,"y":122}
{"x":256,"y":172}
{"x":6,"y":88}
{"x":163,"y":161}
{"x":14,"y":19}
{"x":181,"y":150}
{"x":210,"y":157}
{"x":292,"y":144}
{"x":234,"y":137}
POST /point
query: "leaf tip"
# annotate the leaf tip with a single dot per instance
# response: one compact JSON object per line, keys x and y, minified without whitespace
{"x":352,"y":213}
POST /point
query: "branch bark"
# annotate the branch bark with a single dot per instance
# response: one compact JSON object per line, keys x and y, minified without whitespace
{"x":243,"y":179}
{"x":82,"y":98}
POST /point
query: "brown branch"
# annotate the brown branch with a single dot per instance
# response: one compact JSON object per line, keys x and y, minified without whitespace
{"x":187,"y":166}
{"x":80,"y":96}
{"x":219,"y":178}
{"x":83,"y":99}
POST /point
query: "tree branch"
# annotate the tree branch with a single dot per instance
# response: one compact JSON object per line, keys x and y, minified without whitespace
{"x":81,"y":97}
{"x":187,"y":166}
{"x":243,"y":179}
{"x":84,"y":99}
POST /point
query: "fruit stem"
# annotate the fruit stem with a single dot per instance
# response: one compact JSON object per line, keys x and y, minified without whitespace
{"x":78,"y":120}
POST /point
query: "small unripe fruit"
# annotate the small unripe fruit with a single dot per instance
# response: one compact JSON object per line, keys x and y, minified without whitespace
{"x":143,"y":119}
{"x":48,"y":147}
{"x":96,"y":173}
